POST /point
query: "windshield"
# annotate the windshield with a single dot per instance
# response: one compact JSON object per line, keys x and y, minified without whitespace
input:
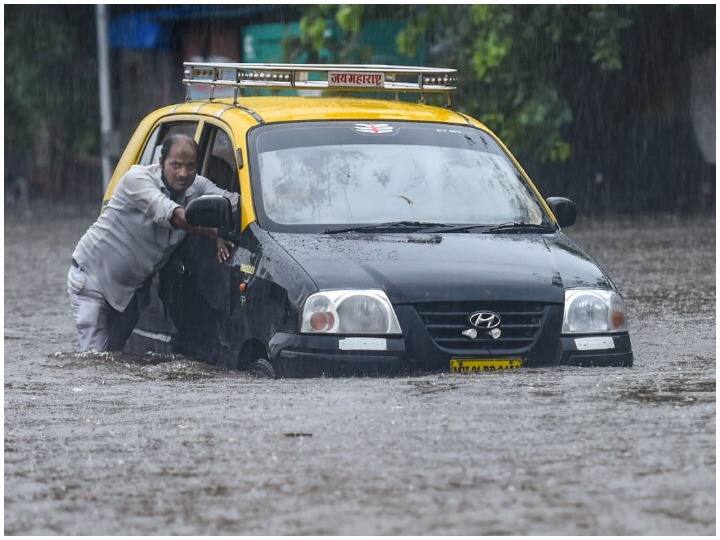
{"x":315,"y":175}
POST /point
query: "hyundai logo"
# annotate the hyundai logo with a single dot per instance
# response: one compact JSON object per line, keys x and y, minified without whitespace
{"x":485,"y":320}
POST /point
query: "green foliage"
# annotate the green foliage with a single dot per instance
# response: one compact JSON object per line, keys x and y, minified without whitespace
{"x":509,"y":57}
{"x":602,"y":33}
{"x":332,"y":33}
{"x":319,"y":38}
{"x":349,"y":17}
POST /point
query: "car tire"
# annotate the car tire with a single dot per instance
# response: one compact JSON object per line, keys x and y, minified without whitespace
{"x":262,"y":369}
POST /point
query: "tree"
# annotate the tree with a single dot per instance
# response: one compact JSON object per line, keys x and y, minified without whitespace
{"x":51,"y":111}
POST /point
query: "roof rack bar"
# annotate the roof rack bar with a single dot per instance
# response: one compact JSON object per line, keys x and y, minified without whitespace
{"x":323,"y":67}
{"x":340,"y":77}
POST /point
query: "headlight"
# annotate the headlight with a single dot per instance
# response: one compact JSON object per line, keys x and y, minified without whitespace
{"x":349,"y":312}
{"x":589,"y":311}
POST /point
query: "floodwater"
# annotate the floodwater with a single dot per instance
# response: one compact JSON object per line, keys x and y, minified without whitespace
{"x":113,"y":444}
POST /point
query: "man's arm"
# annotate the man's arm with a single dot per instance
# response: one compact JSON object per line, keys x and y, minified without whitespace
{"x":179,"y":222}
{"x":224,"y":248}
{"x":208,"y":187}
{"x":140,"y":190}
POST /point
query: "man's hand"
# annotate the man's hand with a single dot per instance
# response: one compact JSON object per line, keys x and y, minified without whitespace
{"x":178,"y":219}
{"x":224,"y":249}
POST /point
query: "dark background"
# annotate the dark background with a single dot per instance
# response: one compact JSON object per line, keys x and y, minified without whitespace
{"x":613,"y":106}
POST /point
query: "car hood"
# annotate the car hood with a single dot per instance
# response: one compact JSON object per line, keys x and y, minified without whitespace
{"x":446,"y":267}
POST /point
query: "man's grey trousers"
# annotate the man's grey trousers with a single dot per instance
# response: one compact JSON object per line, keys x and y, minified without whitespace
{"x":100,"y":327}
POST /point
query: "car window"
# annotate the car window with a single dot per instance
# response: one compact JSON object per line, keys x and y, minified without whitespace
{"x":151,"y":153}
{"x":219,"y":163}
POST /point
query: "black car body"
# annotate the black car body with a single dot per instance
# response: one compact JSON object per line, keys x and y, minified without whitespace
{"x":380,"y":238}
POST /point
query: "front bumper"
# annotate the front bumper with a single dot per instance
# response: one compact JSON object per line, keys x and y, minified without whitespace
{"x":312,"y":354}
{"x":620,"y":355}
{"x":300,"y":355}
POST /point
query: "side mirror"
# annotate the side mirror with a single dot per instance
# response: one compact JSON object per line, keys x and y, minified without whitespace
{"x":211,"y":211}
{"x":564,"y":210}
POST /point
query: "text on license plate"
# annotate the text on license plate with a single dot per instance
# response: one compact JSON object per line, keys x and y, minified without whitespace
{"x":476,"y":365}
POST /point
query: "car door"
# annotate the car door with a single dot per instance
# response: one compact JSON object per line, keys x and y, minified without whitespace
{"x":155,"y":330}
{"x":200,"y":292}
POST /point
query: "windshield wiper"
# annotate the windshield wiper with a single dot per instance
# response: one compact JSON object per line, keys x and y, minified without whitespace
{"x":391,"y":226}
{"x":514,"y":226}
{"x":415,"y":226}
{"x":511,"y":226}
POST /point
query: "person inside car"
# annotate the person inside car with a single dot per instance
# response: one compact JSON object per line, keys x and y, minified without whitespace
{"x":143,"y":222}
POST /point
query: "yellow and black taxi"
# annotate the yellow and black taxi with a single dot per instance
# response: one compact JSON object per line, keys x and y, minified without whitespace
{"x":373,"y":235}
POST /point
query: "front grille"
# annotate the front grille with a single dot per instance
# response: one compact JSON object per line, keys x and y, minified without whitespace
{"x":520,"y":325}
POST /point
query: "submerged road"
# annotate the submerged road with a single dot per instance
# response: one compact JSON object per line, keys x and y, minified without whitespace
{"x":113,"y":444}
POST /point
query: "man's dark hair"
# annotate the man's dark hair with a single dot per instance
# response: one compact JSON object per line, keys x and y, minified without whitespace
{"x":172,"y":140}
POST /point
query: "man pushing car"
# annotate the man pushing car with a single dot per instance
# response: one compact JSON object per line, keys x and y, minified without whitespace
{"x":143,"y":222}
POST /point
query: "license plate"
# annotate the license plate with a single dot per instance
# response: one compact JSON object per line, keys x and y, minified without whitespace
{"x":477,"y":365}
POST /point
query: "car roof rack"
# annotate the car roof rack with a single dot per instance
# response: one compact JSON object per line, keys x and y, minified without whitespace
{"x":340,"y":77}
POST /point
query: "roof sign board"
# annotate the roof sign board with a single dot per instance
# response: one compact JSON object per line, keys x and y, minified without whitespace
{"x":346,"y":79}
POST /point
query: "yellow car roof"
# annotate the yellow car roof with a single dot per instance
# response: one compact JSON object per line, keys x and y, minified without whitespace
{"x":289,"y":109}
